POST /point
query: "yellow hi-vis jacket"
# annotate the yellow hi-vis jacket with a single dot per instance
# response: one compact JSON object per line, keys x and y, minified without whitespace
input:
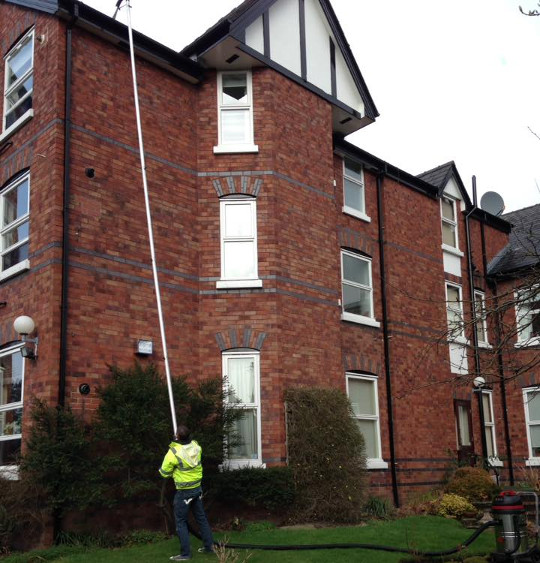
{"x":183,"y":463}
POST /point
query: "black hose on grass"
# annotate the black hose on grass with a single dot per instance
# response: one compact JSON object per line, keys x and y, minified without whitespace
{"x":374,"y":547}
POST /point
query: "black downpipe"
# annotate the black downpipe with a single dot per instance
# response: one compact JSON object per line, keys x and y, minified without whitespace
{"x":500,"y":363}
{"x":477,"y":367}
{"x":390,"y":408}
{"x":57,"y":517}
{"x":500,"y":366}
{"x":65,"y":213}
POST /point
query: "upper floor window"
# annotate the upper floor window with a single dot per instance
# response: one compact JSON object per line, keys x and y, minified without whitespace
{"x":481,"y":317}
{"x":357,"y":289}
{"x":449,"y":222}
{"x":11,"y":404}
{"x":363,"y":395}
{"x":14,"y":226}
{"x":353,"y":190}
{"x":531,"y":399}
{"x":238,"y":220}
{"x":235,"y":109}
{"x":19,"y":81}
{"x":528,"y":316}
{"x":241,"y":374}
{"x":454,"y":312}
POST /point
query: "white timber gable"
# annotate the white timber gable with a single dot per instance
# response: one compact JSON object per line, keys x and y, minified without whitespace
{"x":300,"y":39}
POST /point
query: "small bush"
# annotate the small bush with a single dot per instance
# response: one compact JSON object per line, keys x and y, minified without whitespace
{"x":271,"y":488}
{"x":326,"y":455}
{"x":454,"y":506}
{"x":379,"y":507}
{"x":472,"y":483}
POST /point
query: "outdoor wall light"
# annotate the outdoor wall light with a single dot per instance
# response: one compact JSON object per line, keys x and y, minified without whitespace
{"x":479,"y":382}
{"x":24,"y":326}
{"x":145,"y":347}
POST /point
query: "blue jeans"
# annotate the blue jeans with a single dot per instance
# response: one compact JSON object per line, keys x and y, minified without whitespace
{"x":183,"y":501}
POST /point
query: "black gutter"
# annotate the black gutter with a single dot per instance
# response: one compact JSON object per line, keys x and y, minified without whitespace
{"x":492,"y":220}
{"x":376,"y":164}
{"x":117,"y":32}
{"x":65,"y":214}
{"x":386,"y":337}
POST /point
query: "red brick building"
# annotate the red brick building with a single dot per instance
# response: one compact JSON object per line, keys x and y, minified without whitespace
{"x":287,"y":256}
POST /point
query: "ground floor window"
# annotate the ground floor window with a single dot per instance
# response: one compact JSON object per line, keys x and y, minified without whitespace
{"x":489,"y":426}
{"x":11,"y":404}
{"x":362,"y":390}
{"x":241,"y":376}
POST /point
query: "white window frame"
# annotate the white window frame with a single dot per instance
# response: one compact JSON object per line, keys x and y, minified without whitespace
{"x":453,"y":224}
{"x":481,"y":318}
{"x":255,"y":355}
{"x":489,"y":428}
{"x":8,"y":131}
{"x":352,"y":317}
{"x":377,"y":462}
{"x":454,"y":335}
{"x":11,"y":471}
{"x":248,"y":146}
{"x":23,"y":264}
{"x":230,"y":282}
{"x":523,"y":310}
{"x":533,"y":460}
{"x":358,"y":213}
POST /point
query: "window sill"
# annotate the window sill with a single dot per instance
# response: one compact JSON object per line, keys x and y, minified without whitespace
{"x":22,"y":266}
{"x":452,"y":250}
{"x":355,"y":213}
{"x":485,"y":345}
{"x":359,"y":319}
{"x":238,"y":284}
{"x":534,"y":341}
{"x":14,"y":127}
{"x":495,"y":462}
{"x":532,"y":461}
{"x":376,"y":464}
{"x":9,"y":472}
{"x":458,"y":340}
{"x":241,"y":463}
{"x":230,"y":149}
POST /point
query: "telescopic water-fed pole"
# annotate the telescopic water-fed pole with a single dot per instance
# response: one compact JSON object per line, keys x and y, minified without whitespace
{"x":148,"y":213}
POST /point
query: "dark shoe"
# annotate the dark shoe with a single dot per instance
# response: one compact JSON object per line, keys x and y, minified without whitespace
{"x":204,"y":550}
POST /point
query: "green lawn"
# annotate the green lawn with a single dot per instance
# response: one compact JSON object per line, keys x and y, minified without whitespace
{"x":426,"y":533}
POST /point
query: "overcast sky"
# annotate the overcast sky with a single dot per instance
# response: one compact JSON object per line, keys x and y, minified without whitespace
{"x":452,"y":80}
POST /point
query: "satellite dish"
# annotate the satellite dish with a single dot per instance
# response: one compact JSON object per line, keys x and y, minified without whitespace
{"x":492,"y":202}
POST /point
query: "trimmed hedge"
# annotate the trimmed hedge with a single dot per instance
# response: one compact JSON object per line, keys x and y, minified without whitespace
{"x":326,"y":455}
{"x":272,"y":488}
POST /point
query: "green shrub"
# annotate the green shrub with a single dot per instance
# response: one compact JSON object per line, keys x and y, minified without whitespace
{"x":451,"y":505}
{"x":326,"y":455}
{"x":57,"y":459}
{"x":472,"y":483}
{"x":271,"y":488}
{"x":133,"y":425}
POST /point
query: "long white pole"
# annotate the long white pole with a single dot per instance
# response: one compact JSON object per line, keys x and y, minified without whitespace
{"x":149,"y":221}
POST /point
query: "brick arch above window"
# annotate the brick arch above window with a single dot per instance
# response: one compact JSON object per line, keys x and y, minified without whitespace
{"x":356,"y":241}
{"x":237,"y":185}
{"x":361,"y":364}
{"x":244,"y":337}
{"x":17,"y":163}
{"x":25,"y":23}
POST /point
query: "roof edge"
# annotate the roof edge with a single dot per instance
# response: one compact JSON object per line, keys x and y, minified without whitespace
{"x":98,"y":23}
